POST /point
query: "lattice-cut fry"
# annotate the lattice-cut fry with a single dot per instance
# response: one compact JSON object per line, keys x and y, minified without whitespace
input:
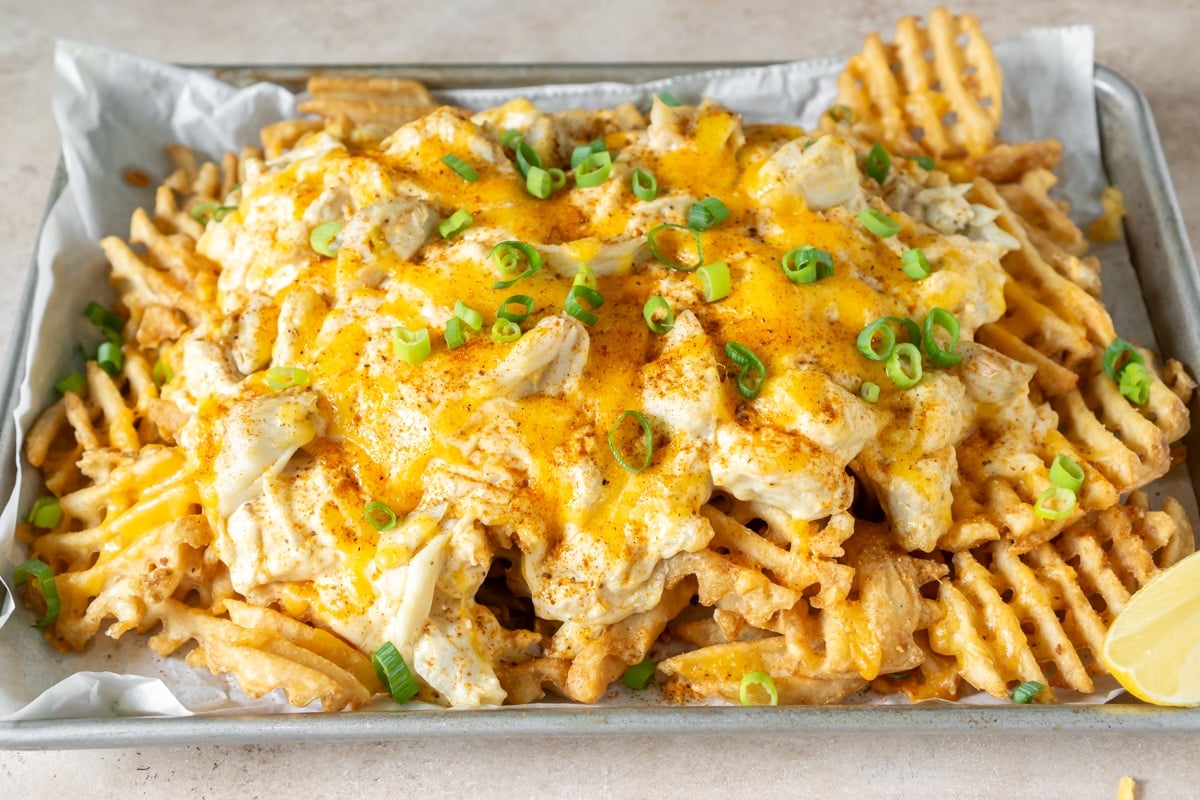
{"x":792,"y":565}
{"x":1007,"y":163}
{"x":935,"y":678}
{"x":280,"y":136}
{"x":1030,"y":200}
{"x":1051,"y":377}
{"x":262,"y":659}
{"x":717,"y":672}
{"x":1129,"y":444}
{"x":391,"y":102}
{"x":732,"y":587}
{"x":947,"y":107}
{"x":1050,"y":608}
{"x":528,"y":681}
{"x":189,"y":269}
{"x":606,"y":657}
{"x":1083,"y":272}
{"x":140,"y":284}
{"x":399,"y":90}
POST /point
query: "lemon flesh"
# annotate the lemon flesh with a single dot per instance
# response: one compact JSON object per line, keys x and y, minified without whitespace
{"x":1153,"y":646}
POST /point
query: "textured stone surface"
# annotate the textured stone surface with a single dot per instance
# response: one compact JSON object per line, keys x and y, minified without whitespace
{"x":1153,"y":44}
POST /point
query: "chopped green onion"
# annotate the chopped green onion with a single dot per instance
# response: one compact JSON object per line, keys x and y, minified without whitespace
{"x":593,"y":170}
{"x":324,"y":237}
{"x":508,"y":257}
{"x":706,"y":213}
{"x":651,"y":239}
{"x":411,"y":346}
{"x":584,"y":276}
{"x":841,"y":113}
{"x":1065,"y":472}
{"x":887,"y":340}
{"x":538,"y":182}
{"x":879,"y":223}
{"x":455,"y":224}
{"x":590,"y":296}
{"x":394,"y":674}
{"x":280,"y":378}
{"x":1118,"y":355}
{"x":509,"y":137}
{"x":162,"y":373}
{"x":762,"y":680}
{"x":807,"y":264}
{"x":878,"y":163}
{"x":639,"y":675}
{"x":468,"y":315}
{"x":581,"y":152}
{"x":109,"y":357}
{"x":45,"y":576}
{"x":72,"y":382}
{"x":658,"y":315}
{"x":1135,"y":383}
{"x":647,"y":441}
{"x":644,"y":184}
{"x":46,"y":512}
{"x":870,"y":391}
{"x":924,"y":162}
{"x":1024,"y":693}
{"x":903,"y":366}
{"x":202,"y":211}
{"x":220,"y":212}
{"x":379,"y":515}
{"x":505,"y":331}
{"x":523,"y":300}
{"x":915,"y":265}
{"x":668,"y":98}
{"x":1055,"y":503}
{"x":461,"y":168}
{"x":941,"y":318}
{"x":456,"y":337}
{"x":102,"y":318}
{"x":714,"y":280}
{"x":527,"y":157}
{"x":558,"y":178}
{"x":753,"y":372}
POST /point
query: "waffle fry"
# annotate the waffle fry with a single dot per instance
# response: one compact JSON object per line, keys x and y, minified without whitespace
{"x":946,"y":106}
{"x":289,"y":500}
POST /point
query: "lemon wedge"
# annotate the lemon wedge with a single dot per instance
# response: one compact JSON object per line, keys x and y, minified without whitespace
{"x":1153,"y":646}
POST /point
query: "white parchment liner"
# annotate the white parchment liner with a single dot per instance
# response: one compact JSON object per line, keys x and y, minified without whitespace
{"x":116,"y":111}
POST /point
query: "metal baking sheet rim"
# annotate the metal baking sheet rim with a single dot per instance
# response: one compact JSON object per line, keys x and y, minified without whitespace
{"x":1134,"y":161}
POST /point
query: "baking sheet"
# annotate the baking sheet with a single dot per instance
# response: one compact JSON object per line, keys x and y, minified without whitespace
{"x":208,"y":111}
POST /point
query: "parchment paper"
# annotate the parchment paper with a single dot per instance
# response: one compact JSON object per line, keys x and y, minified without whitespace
{"x":116,"y":111}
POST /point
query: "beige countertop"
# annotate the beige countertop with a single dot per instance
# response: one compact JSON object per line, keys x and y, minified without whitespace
{"x":1153,"y":43}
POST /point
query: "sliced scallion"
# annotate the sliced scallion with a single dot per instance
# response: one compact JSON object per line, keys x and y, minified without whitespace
{"x":162,"y":373}
{"x":508,"y":258}
{"x":1118,"y":355}
{"x":379,"y":515}
{"x":577,"y":309}
{"x":509,"y":137}
{"x":472,"y":318}
{"x":523,"y":300}
{"x":1066,"y":472}
{"x":46,"y":512}
{"x":706,"y":213}
{"x":763,"y":681}
{"x":280,"y":378}
{"x":942,"y":357}
{"x":1025,"y":693}
{"x":647,"y":441}
{"x":582,"y":151}
{"x":538,"y":182}
{"x":411,"y":345}
{"x":45,"y":576}
{"x":505,"y":331}
{"x":658,"y":315}
{"x":585,"y":275}
{"x":879,"y":223}
{"x":109,"y":357}
{"x":394,"y":673}
{"x":644,"y":184}
{"x":841,"y":113}
{"x":807,"y":264}
{"x":870,"y":391}
{"x":456,"y":337}
{"x":558,"y":178}
{"x":1135,"y":383}
{"x":455,"y":224}
{"x":71,"y":382}
{"x":714,"y":281}
{"x":527,"y":157}
{"x":652,"y":240}
{"x":593,"y":170}
{"x":914,"y":264}
{"x":324,"y":238}
{"x":1055,"y":503}
{"x":878,"y":163}
{"x":639,"y":675}
{"x":924,"y":162}
{"x":461,"y":168}
{"x":903,"y":366}
{"x":752,"y":374}
{"x":102,"y":318}
{"x":668,"y":98}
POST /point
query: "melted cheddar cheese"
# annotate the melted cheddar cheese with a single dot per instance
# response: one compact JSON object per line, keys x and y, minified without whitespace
{"x":496,"y":448}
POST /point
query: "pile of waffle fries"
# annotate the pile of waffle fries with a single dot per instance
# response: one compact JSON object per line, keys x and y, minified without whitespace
{"x":933,"y":592}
